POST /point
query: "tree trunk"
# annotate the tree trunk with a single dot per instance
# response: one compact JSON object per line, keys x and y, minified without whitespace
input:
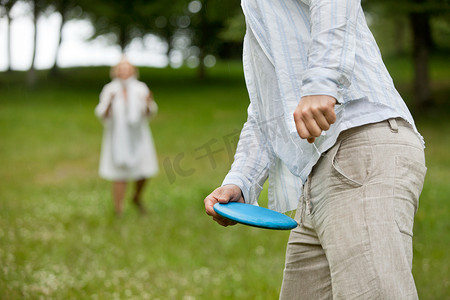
{"x":422,"y":43}
{"x":31,"y":76}
{"x":201,"y":71}
{"x":399,"y":34}
{"x":8,"y":41}
{"x":202,"y":39}
{"x":123,"y":39}
{"x":54,"y":70}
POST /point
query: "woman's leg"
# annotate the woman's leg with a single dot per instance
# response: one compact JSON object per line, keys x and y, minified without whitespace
{"x":137,"y":195}
{"x":119,"y":189}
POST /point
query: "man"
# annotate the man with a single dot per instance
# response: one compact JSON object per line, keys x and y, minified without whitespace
{"x":328,"y":128}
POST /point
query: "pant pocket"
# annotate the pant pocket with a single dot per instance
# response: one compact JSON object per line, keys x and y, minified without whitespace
{"x":409,"y":179}
{"x":352,"y":162}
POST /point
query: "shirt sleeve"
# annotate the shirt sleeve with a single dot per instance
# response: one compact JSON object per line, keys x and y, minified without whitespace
{"x":151,"y":108}
{"x":106,"y":96}
{"x":250,"y":168}
{"x":331,"y":55}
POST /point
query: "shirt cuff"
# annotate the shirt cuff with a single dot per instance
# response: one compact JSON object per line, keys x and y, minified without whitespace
{"x":247,"y":189}
{"x":323,"y":81}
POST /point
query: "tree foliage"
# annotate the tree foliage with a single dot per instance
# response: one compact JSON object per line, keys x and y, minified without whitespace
{"x":67,"y":9}
{"x":5,"y":10}
{"x":126,"y":20}
{"x":200,"y":28}
{"x":200,"y":23}
{"x":207,"y":26}
{"x":419,"y":15}
{"x":38,"y":8}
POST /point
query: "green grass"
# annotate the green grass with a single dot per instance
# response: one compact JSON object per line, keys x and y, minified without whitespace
{"x":58,"y":236}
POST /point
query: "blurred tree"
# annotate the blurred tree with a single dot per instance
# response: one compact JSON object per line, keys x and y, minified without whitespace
{"x":125,"y":19}
{"x":5,"y":10}
{"x":115,"y":16}
{"x":419,"y":13}
{"x":233,"y":36}
{"x":68,"y":9}
{"x":38,"y":7}
{"x":195,"y":24}
{"x":422,"y":45}
{"x":208,"y":19}
{"x":160,"y":19}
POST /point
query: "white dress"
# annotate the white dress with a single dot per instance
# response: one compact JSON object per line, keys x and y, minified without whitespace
{"x":128,"y":151}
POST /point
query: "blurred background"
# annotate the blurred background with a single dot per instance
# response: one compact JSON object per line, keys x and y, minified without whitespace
{"x":59,"y":238}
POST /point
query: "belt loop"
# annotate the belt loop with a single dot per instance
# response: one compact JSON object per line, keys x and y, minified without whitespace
{"x":304,"y":199}
{"x":308,"y":194}
{"x":393,"y":125}
{"x":302,"y":212}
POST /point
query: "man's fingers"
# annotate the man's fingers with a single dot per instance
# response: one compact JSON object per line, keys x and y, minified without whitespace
{"x":209,"y":205}
{"x":323,"y":115}
{"x":224,"y":221}
{"x":313,"y":115}
{"x":222,"y":194}
{"x":330,"y":115}
{"x":313,"y":128}
{"x":321,"y":120}
{"x":308,"y":124}
{"x":302,"y":131}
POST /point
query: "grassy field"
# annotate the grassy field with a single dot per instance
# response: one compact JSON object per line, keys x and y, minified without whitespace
{"x":60,"y":240}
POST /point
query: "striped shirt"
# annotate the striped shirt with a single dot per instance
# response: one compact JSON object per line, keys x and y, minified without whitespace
{"x":296,"y":48}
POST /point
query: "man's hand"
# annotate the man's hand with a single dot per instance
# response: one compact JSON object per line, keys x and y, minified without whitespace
{"x":223,"y":194}
{"x":314,"y":114}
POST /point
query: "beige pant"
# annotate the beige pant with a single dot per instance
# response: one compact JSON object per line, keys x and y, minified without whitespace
{"x":356,"y":217}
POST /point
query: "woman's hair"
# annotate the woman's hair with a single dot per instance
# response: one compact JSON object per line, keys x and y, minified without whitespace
{"x":123,"y":60}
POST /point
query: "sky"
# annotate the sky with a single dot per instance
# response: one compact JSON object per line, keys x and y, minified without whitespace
{"x":75,"y":49}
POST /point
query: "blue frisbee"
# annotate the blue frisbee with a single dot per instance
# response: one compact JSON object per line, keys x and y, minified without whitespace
{"x":256,"y":216}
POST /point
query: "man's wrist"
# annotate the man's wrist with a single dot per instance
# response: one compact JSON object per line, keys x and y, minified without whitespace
{"x":323,"y":81}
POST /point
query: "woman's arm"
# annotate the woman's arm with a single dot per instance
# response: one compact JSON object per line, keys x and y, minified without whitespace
{"x":151,"y":107}
{"x":103,"y":109}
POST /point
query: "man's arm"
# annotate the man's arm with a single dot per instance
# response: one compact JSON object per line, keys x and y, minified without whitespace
{"x":248,"y":172}
{"x":331,"y":58}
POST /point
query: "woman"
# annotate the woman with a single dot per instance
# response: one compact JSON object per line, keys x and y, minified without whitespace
{"x":128,"y":153}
